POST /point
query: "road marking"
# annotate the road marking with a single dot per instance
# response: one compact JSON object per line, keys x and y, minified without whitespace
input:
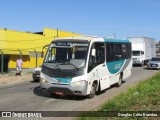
{"x":11,"y":87}
{"x":50,"y":100}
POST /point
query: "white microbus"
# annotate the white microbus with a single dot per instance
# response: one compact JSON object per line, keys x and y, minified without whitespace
{"x":85,"y":65}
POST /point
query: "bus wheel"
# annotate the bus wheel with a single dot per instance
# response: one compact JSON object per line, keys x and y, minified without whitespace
{"x":93,"y":91}
{"x":119,"y":82}
{"x":143,"y":62}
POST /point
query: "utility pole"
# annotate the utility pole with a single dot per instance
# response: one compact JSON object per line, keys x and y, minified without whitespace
{"x":20,"y":53}
{"x":57,"y":33}
{"x":114,"y":35}
{"x":1,"y":61}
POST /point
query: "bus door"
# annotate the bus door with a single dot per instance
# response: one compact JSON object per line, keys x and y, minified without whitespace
{"x":97,"y":66}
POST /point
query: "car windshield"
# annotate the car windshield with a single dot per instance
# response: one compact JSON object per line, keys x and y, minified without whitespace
{"x":155,"y":59}
{"x":136,"y":53}
{"x":67,"y":55}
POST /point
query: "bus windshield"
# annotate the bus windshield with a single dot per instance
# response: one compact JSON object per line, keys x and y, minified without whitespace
{"x":67,"y":55}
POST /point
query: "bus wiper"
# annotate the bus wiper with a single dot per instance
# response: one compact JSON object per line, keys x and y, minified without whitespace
{"x":68,"y":63}
{"x":58,"y":66}
{"x":52,"y":61}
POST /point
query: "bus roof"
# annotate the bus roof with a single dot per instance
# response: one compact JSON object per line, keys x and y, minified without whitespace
{"x":89,"y":38}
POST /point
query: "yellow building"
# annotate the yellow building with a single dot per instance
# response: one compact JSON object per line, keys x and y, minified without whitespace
{"x":27,"y":45}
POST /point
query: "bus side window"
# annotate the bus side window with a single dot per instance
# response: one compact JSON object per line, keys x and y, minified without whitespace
{"x":108,"y":58}
{"x":91,"y":61}
{"x":124,"y":50}
{"x":99,"y":56}
{"x":110,"y":52}
{"x":118,"y":51}
{"x":129,"y":50}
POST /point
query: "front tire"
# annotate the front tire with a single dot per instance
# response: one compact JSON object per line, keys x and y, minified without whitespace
{"x":119,"y":82}
{"x":93,"y":91}
{"x":142,"y":64}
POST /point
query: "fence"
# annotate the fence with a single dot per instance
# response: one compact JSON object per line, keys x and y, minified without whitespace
{"x":32,"y":53}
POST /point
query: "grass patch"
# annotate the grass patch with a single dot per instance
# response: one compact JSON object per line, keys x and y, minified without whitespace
{"x":143,"y":97}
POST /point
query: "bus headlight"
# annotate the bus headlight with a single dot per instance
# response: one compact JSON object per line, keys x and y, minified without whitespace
{"x":79,"y":83}
{"x":42,"y":80}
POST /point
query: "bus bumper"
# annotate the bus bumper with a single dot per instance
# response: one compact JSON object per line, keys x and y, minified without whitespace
{"x":69,"y":89}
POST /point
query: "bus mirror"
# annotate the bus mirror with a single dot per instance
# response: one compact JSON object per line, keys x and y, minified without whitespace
{"x":42,"y":54}
{"x":93,"y":52}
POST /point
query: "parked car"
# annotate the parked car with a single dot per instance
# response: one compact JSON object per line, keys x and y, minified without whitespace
{"x":154,"y":63}
{"x":36,"y":74}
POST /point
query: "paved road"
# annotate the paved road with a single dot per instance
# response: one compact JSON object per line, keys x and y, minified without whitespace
{"x":26,"y":96}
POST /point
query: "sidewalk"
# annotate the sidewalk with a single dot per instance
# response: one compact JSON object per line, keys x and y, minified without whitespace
{"x":11,"y":78}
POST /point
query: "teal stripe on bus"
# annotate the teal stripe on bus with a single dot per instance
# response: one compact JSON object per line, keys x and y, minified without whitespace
{"x":115,"y":66}
{"x":115,"y":40}
{"x":64,"y":80}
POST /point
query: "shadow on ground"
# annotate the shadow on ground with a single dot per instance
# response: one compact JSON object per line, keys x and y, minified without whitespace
{"x":37,"y":91}
{"x":137,"y":65}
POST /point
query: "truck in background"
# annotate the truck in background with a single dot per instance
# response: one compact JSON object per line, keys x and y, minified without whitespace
{"x":143,"y":49}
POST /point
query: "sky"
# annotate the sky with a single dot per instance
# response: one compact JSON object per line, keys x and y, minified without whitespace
{"x":103,"y":18}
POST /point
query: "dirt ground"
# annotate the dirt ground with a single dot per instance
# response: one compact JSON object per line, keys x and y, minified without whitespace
{"x":11,"y":78}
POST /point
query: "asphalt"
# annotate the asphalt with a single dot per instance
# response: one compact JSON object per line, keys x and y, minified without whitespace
{"x":27,"y":96}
